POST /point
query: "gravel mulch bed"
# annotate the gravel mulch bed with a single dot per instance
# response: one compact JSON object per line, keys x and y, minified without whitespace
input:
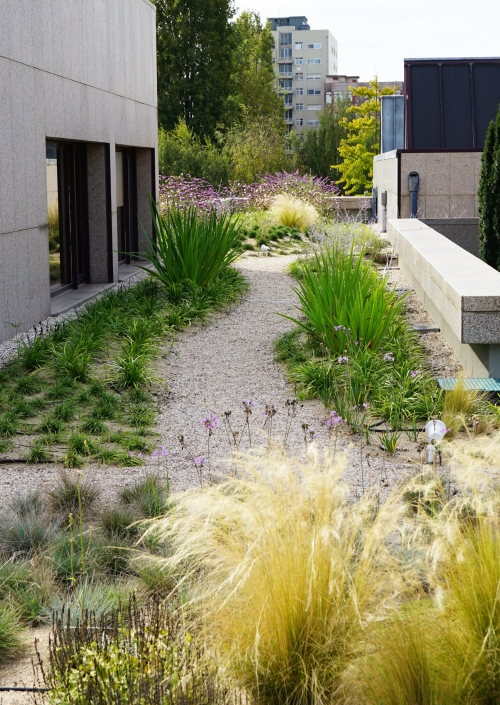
{"x":215,"y":366}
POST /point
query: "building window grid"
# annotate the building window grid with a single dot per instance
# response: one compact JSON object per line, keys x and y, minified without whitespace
{"x":299,"y":91}
{"x":299,"y":106}
{"x":315,"y":45}
{"x":313,"y":91}
{"x":313,"y":61}
{"x":286,"y":53}
{"x":299,"y":60}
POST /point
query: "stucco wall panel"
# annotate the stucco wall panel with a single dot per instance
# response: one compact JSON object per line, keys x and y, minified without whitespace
{"x":79,"y":70}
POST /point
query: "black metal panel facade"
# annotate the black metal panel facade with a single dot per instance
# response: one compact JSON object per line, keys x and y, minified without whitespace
{"x":426,"y":112}
{"x":486,"y":97}
{"x":457,"y":107}
{"x":450,"y":102}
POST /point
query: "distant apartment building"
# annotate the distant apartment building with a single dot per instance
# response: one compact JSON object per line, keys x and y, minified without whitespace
{"x":339,"y":87}
{"x":304,"y":57}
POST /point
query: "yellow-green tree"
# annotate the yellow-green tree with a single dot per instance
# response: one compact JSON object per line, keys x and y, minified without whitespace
{"x":362,"y":142}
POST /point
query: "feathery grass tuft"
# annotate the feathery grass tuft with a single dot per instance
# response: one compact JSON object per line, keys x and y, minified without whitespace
{"x":285,"y":571}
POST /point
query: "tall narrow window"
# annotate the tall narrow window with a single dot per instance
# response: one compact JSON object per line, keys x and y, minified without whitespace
{"x":126,"y":204}
{"x":67,"y":204}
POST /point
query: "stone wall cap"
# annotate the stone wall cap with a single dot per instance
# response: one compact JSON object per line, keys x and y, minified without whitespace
{"x":473,"y":285}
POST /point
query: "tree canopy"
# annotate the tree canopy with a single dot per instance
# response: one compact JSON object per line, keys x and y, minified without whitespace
{"x":362,"y":141}
{"x":194,"y":55}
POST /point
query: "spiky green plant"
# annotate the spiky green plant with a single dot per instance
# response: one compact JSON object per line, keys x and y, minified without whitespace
{"x":344,"y":302}
{"x":191,"y":247}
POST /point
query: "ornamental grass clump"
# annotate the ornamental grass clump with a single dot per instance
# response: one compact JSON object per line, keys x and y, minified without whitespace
{"x":343,"y":300}
{"x":293,"y":212}
{"x":446,"y":647}
{"x":191,"y":247}
{"x":285,"y":571}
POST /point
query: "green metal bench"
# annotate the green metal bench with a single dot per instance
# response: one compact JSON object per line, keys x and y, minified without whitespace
{"x":482,"y":384}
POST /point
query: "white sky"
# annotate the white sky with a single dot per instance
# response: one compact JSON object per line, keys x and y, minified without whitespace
{"x":374,"y":36}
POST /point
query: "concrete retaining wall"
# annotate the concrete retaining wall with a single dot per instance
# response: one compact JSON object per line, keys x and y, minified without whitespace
{"x":462,"y":231}
{"x":460,"y":292}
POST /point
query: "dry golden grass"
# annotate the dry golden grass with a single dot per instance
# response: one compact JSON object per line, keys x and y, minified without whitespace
{"x":463,"y":407}
{"x":292,"y":212}
{"x":286,"y":571}
{"x":446,"y":648}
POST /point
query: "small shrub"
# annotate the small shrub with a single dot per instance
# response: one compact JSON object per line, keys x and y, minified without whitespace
{"x":148,"y":496}
{"x":9,"y":425}
{"x":29,"y":385}
{"x":65,"y":411}
{"x":72,"y":495}
{"x":147,"y":657}
{"x":119,"y":523}
{"x":81,"y":444}
{"x":26,"y":535}
{"x":11,"y":642}
{"x":292,"y":212}
{"x":38,"y":452}
{"x":94,"y":426}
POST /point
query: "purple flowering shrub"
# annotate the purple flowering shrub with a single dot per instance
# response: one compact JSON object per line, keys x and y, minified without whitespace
{"x":186,"y":191}
{"x":319,"y":192}
{"x":182,"y":192}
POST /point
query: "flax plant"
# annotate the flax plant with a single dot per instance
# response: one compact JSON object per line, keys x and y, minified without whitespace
{"x":344,"y":302}
{"x":191,"y":247}
{"x":286,"y":573}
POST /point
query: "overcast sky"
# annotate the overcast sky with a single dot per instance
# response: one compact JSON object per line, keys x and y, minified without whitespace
{"x":374,"y":36}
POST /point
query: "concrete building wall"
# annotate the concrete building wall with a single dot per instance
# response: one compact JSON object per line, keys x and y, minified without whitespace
{"x":385,"y":178}
{"x":79,"y":70}
{"x":448,"y":188}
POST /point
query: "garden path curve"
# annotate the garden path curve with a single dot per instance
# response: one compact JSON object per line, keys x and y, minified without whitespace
{"x":214,"y":367}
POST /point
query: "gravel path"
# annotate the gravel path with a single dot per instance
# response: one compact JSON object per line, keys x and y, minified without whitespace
{"x":214,"y":367}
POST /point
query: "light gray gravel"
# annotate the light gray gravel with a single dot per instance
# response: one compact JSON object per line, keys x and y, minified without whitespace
{"x":214,"y":367}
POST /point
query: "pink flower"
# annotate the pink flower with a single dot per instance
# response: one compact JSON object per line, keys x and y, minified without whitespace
{"x":210,"y":422}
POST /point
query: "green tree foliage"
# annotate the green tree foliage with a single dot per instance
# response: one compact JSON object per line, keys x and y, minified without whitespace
{"x":258,"y":148}
{"x":253,"y":79}
{"x":317,"y":149}
{"x":194,"y":55}
{"x":180,"y":151}
{"x":489,"y":196}
{"x":362,"y":142}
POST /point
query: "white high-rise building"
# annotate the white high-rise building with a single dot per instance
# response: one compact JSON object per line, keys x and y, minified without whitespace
{"x":304,"y":57}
